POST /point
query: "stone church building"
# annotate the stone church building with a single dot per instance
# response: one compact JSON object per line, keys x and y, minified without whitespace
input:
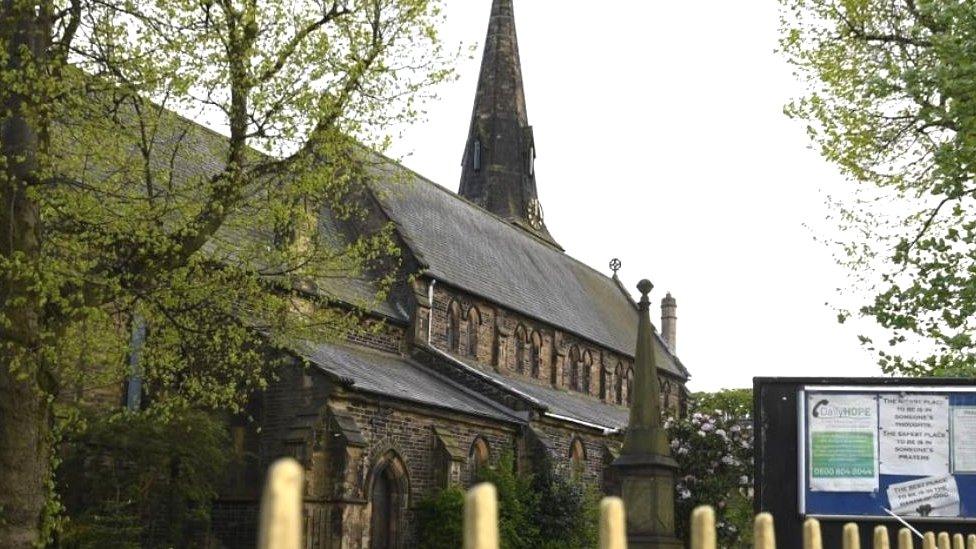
{"x":500,"y":344}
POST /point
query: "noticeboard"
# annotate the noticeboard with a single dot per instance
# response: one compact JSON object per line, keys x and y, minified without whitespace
{"x":875,"y":452}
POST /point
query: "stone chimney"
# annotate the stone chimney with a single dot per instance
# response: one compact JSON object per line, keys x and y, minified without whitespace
{"x":669,"y":322}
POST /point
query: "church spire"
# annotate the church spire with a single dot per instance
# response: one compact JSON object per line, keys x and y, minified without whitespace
{"x":498,"y":167}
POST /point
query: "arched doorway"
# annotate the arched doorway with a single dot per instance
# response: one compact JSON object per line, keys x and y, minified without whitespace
{"x":388,"y":499}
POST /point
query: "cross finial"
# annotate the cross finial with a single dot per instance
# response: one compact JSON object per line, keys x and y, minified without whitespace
{"x":615,"y":265}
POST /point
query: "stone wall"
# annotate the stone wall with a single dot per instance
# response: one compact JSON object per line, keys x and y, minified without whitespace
{"x":497,"y":331}
{"x":558,"y":440}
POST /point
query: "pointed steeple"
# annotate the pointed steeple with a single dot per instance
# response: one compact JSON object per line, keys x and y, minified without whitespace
{"x":498,"y":167}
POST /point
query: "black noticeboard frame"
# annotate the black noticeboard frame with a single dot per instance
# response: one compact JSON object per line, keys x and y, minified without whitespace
{"x":779,"y":457}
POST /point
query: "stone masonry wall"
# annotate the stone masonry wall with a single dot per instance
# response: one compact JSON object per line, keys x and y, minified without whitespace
{"x":497,"y":347}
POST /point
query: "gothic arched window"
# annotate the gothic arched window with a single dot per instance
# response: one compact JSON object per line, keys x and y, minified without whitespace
{"x":574,"y":368}
{"x":629,"y":382}
{"x":587,"y":366}
{"x":577,"y":456}
{"x":604,"y":382}
{"x":453,"y":327}
{"x":474,"y":326}
{"x":520,"y":351}
{"x":478,"y":456}
{"x":618,"y":383}
{"x":536,"y":354}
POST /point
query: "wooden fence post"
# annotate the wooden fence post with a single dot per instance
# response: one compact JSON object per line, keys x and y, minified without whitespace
{"x":905,"y":540}
{"x":881,"y":538}
{"x":928,"y":541}
{"x":481,"y":517}
{"x":851,"y":536}
{"x":958,"y":542}
{"x":944,"y":541}
{"x":764,"y":536}
{"x":811,"y":534}
{"x":703,"y":527}
{"x":613,"y":531}
{"x":971,"y":541}
{"x":280,"y":525}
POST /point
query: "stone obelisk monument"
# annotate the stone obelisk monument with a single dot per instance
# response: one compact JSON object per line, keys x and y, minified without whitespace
{"x":645,"y":468}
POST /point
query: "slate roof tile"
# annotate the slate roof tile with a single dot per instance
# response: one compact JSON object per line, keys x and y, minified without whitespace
{"x":474,"y":250}
{"x":398,"y":377}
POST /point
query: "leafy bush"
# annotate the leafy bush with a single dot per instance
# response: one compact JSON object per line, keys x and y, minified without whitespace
{"x":567,"y":512}
{"x":440,"y":519}
{"x":534,"y":511}
{"x":136,"y":480}
{"x":715,"y":458}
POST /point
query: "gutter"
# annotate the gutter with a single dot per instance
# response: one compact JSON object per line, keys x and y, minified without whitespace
{"x":485,"y":377}
{"x":606,"y":430}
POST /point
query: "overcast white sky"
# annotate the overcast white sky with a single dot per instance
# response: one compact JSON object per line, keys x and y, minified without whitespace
{"x":661,"y":141}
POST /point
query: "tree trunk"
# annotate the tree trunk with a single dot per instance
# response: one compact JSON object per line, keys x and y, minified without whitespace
{"x":25,"y":385}
{"x":24,"y":460}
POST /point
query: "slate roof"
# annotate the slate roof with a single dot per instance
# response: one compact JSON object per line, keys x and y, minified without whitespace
{"x":468,"y":247}
{"x":560,"y":402}
{"x":399,"y":377}
{"x":571,"y":405}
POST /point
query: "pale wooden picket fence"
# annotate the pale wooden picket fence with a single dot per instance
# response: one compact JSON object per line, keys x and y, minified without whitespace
{"x":280,"y":524}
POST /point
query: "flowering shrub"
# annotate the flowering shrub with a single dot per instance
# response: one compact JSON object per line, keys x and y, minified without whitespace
{"x":714,"y":455}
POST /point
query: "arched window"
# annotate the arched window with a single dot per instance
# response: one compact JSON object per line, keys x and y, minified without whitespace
{"x":577,"y":456}
{"x":388,"y":495}
{"x":587,"y":367}
{"x":629,"y":382}
{"x":521,"y":339}
{"x":474,"y":326}
{"x":574,"y":368}
{"x":618,"y":383}
{"x":604,"y":382}
{"x":535,"y":356}
{"x":453,"y":327}
{"x":478,"y":456}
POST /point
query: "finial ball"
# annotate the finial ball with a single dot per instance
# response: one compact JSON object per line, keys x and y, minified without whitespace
{"x":645,"y":286}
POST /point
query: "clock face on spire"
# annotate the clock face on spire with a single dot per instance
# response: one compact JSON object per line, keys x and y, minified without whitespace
{"x":534,"y":213}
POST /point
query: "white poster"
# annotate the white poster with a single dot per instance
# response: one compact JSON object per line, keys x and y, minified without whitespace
{"x":842,"y":448}
{"x":925,"y":497}
{"x":964,"y":439}
{"x":914,"y":435}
